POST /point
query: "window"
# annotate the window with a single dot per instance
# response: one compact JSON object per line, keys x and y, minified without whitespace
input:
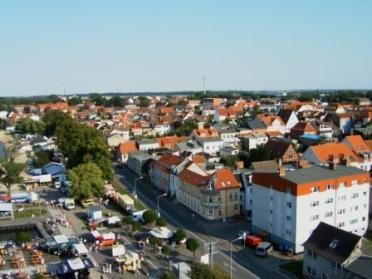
{"x":354,"y":196}
{"x":210,"y":200}
{"x":231,"y":196}
{"x":288,"y":218}
{"x":328,"y":214}
{"x":289,"y":204}
{"x":219,"y":198}
{"x":314,"y":217}
{"x":271,"y":211}
{"x":288,"y":232}
{"x":329,"y":187}
{"x":309,"y":269}
{"x":364,"y":193}
{"x":330,"y":200}
{"x":310,"y":252}
{"x":271,"y":198}
{"x":363,"y":218}
{"x":236,"y":207}
{"x":314,"y":203}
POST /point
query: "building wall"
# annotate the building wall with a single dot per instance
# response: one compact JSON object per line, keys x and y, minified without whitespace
{"x":292,"y":121}
{"x":212,"y":147}
{"x":225,"y":204}
{"x":293,"y":218}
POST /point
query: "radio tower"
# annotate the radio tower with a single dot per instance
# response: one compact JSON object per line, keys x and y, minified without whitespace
{"x":204,"y":85}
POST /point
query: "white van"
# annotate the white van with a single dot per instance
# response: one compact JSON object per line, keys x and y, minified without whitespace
{"x":263,"y":249}
{"x":137,"y":215}
{"x":69,"y":204}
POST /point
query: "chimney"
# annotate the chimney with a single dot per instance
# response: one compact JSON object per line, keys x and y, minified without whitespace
{"x":331,"y":162}
{"x":280,"y":162}
{"x":281,"y":171}
{"x":343,"y":161}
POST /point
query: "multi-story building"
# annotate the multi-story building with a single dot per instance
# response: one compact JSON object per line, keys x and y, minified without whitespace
{"x":253,"y":140}
{"x":160,"y":170}
{"x":213,"y":197}
{"x":290,"y":204}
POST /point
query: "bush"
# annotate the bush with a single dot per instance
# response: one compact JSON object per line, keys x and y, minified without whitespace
{"x":179,"y":236}
{"x":161,"y":222}
{"x":136,"y":226}
{"x":23,"y":237}
{"x":153,"y":241}
{"x":168,"y":275}
{"x":149,"y":216}
{"x":166,"y":250}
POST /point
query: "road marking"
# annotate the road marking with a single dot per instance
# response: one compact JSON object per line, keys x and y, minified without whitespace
{"x":228,"y":265}
{"x":139,"y":193}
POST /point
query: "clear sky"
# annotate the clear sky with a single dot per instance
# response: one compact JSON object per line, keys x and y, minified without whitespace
{"x":166,"y":45}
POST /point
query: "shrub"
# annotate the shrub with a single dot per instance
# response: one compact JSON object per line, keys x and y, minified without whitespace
{"x":179,"y":236}
{"x":149,"y":216}
{"x":161,"y":222}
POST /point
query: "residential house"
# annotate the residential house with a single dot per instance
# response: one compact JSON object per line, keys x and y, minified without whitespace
{"x":253,"y":140}
{"x":282,"y":149}
{"x":290,"y":204}
{"x":333,"y":253}
{"x":170,"y":141}
{"x":213,"y":197}
{"x":116,"y":139}
{"x":137,"y":161}
{"x":302,"y":128}
{"x":147,"y":144}
{"x":56,"y":170}
{"x":223,"y":114}
{"x":211,"y":145}
{"x":124,"y":149}
{"x":256,"y":126}
{"x":227,"y":151}
{"x":359,"y":146}
{"x":205,"y":133}
{"x":160,"y":170}
{"x":191,"y":147}
{"x":273,"y":123}
{"x":229,"y":135}
{"x":289,"y":118}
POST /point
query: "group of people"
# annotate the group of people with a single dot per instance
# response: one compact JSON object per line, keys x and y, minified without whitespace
{"x":51,"y":223}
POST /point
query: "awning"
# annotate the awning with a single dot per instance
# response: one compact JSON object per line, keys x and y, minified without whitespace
{"x":60,"y":239}
{"x":81,"y":249}
{"x":76,"y":264}
{"x":6,"y":207}
{"x":161,"y":232}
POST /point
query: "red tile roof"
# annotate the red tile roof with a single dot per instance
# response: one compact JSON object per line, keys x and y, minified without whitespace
{"x":170,"y":141}
{"x":128,"y":147}
{"x":168,"y":160}
{"x":323,"y":151}
{"x":225,"y":179}
{"x":194,"y":178}
{"x":357,"y":143}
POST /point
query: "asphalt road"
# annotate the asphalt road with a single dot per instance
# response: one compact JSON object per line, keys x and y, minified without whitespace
{"x":245,"y":265}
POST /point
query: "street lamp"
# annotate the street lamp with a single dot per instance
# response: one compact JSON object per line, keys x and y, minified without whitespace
{"x":231,"y":246}
{"x":135,"y":186}
{"x":158,"y":198}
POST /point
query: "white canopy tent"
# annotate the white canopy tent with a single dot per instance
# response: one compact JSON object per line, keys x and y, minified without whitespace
{"x":161,"y":232}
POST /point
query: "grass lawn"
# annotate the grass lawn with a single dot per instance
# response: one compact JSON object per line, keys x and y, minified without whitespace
{"x":294,"y":267}
{"x":29,"y":211}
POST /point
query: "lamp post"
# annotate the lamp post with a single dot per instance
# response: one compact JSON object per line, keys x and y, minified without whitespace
{"x":231,"y":246}
{"x":135,"y":186}
{"x":158,"y":198}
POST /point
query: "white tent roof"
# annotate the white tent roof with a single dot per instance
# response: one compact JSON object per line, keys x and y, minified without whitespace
{"x":81,"y":249}
{"x":96,"y":234}
{"x":76,"y":264}
{"x":60,"y":239}
{"x":161,"y":232}
{"x":6,"y":207}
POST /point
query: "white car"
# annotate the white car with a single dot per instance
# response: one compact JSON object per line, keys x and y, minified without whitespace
{"x":57,"y":184}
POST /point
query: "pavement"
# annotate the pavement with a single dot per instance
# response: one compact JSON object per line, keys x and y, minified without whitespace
{"x":244,"y":264}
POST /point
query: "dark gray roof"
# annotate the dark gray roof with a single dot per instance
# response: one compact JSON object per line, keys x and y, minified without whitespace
{"x":324,"y":235}
{"x":319,"y":173}
{"x":285,"y":114}
{"x":362,"y":266}
{"x":256,"y":124}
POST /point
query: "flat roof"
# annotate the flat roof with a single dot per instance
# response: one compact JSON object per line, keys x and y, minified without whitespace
{"x":319,"y":173}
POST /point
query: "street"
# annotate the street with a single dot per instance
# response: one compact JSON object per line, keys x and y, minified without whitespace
{"x":245,"y":264}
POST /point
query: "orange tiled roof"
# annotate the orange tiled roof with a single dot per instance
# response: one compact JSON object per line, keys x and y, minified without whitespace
{"x":323,"y":151}
{"x":199,"y":159}
{"x":369,"y":143}
{"x":168,"y":160}
{"x":211,"y":132}
{"x":225,"y":179}
{"x":269,"y":119}
{"x":194,"y":178}
{"x":54,"y":106}
{"x":357,"y":143}
{"x":128,"y":147}
{"x":170,"y":141}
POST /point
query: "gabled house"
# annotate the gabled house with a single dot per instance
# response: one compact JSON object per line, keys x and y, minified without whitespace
{"x":124,"y":149}
{"x":253,"y":140}
{"x":289,"y":118}
{"x":273,"y":123}
{"x":302,"y":128}
{"x":358,"y":145}
{"x":147,"y":144}
{"x":205,"y":133}
{"x":334,"y":253}
{"x":282,"y":149}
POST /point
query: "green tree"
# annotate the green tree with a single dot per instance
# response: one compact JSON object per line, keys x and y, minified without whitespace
{"x":256,"y":110}
{"x":201,"y":271}
{"x":149,"y":216}
{"x":166,"y":251}
{"x":261,"y":153}
{"x":86,"y":181}
{"x":118,"y":101}
{"x":160,"y":222}
{"x":29,"y":126}
{"x":192,"y":245}
{"x":2,"y":124}
{"x":76,"y":100}
{"x":10,"y":171}
{"x":82,"y":144}
{"x":53,"y":118}
{"x":153,"y":241}
{"x":41,"y":158}
{"x":186,"y":128}
{"x":179,"y":235}
{"x":229,"y":161}
{"x":143,"y":101}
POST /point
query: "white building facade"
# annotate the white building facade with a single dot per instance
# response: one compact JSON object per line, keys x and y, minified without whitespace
{"x":289,"y":206}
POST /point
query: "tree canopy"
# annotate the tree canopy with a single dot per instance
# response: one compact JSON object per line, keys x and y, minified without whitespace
{"x":192,"y":245}
{"x":28,"y":126}
{"x":10,"y":172}
{"x":261,"y":153}
{"x":82,"y":144}
{"x":86,"y":181}
{"x":149,"y":216}
{"x":52,"y":118}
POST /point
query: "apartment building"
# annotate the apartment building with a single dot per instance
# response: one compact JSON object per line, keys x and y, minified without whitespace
{"x":214,"y":197}
{"x":290,"y":204}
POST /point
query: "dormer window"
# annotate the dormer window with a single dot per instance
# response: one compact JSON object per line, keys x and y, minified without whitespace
{"x":334,"y":244}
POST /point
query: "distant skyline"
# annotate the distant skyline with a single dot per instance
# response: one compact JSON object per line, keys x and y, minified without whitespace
{"x":166,"y":45}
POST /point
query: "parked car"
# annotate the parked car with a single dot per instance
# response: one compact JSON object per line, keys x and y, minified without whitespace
{"x":264,"y":248}
{"x":252,"y":241}
{"x":57,"y":184}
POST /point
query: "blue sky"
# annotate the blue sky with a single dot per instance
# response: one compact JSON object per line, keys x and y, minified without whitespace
{"x":166,"y":45}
